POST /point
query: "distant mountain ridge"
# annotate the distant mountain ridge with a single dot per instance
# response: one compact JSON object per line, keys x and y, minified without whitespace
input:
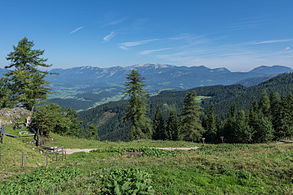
{"x":87,"y":86}
{"x":223,"y":97}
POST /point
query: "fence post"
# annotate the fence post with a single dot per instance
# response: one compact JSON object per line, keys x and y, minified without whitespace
{"x":46,"y":157}
{"x":2,"y":134}
{"x":22,"y":163}
{"x":62,"y":154}
{"x":56,"y":156}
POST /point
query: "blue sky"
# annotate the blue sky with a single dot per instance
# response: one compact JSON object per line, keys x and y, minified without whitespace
{"x":235,"y":34}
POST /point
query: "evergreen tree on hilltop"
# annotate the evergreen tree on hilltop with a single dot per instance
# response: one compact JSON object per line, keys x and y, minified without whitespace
{"x":229,"y":126}
{"x":210,"y":125}
{"x":136,"y":110}
{"x":173,"y":126}
{"x":191,"y":127}
{"x":275,"y":105}
{"x":261,"y":125}
{"x":284,"y":118}
{"x":243,"y":132}
{"x":264,"y":104}
{"x":159,"y":126}
{"x":24,"y":78}
{"x":92,"y":132}
{"x":5,"y":94}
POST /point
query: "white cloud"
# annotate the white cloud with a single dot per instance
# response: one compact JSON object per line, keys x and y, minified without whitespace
{"x":115,"y":22}
{"x":76,"y":30}
{"x":126,"y":45}
{"x":146,"y":52}
{"x":273,"y":41}
{"x":288,"y":48}
{"x":109,"y":36}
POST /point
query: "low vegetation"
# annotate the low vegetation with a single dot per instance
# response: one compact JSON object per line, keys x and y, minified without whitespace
{"x":211,"y":169}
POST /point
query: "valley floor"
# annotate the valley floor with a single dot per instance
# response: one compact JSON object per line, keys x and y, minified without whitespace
{"x":210,"y":169}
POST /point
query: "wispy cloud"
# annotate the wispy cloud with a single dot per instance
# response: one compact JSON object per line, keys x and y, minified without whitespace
{"x":115,"y":22}
{"x":147,"y":52}
{"x":76,"y":30}
{"x":109,"y":36}
{"x":272,"y":41}
{"x":126,"y":45}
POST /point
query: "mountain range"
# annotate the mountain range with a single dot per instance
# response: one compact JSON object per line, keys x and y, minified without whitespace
{"x":108,"y":118}
{"x":85,"y":87}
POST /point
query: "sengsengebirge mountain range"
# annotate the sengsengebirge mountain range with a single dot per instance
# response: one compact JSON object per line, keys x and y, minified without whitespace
{"x":85,"y":87}
{"x":108,"y":117}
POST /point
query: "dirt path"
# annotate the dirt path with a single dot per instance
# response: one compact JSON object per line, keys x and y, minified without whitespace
{"x":74,"y":150}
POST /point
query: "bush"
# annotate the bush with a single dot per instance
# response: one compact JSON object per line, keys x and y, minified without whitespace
{"x":122,"y":181}
{"x":54,"y":118}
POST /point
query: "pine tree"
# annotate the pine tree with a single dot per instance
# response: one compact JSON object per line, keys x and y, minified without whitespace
{"x":284,"y":118}
{"x":229,"y":126}
{"x":275,"y":101}
{"x":5,"y":94}
{"x":191,"y":127}
{"x":264,"y":131}
{"x":260,"y":124}
{"x":243,"y":132}
{"x":211,"y":128}
{"x":264,"y":104}
{"x":173,"y":126}
{"x":136,"y":109}
{"x":159,"y":126}
{"x":24,"y":78}
{"x":92,"y":132}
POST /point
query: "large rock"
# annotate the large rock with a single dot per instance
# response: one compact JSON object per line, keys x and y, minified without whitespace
{"x":12,"y":115}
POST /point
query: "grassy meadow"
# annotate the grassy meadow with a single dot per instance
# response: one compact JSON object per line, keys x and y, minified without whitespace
{"x":211,"y":169}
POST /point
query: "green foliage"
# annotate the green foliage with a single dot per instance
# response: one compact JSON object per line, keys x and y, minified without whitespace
{"x":159,"y":130}
{"x":42,"y":180}
{"x":136,"y":110}
{"x":54,"y":118}
{"x":24,"y":80}
{"x":264,"y":104}
{"x":122,"y":181}
{"x":143,"y":151}
{"x":283,"y":117}
{"x":230,"y":122}
{"x":191,"y":128}
{"x":211,"y":126}
{"x":243,"y":132}
{"x":92,"y":132}
{"x":5,"y":94}
{"x":173,"y":126}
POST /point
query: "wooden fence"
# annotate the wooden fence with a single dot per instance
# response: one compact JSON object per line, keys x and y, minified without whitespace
{"x":56,"y":152}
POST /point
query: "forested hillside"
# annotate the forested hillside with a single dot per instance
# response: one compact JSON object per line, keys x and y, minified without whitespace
{"x":108,"y":117}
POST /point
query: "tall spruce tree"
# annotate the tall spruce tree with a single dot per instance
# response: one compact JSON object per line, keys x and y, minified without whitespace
{"x":284,"y":118}
{"x":159,"y":132}
{"x":229,"y":126}
{"x":92,"y":132}
{"x":137,"y":107}
{"x":24,"y":79}
{"x":242,"y":132}
{"x":191,"y":127}
{"x":275,"y":101}
{"x":173,"y":126}
{"x":264,"y":104}
{"x":211,"y":126}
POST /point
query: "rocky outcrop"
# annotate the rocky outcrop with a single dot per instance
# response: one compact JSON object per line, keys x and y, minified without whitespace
{"x":12,"y":115}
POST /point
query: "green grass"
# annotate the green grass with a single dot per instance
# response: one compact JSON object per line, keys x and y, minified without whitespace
{"x":73,"y":142}
{"x":211,"y":169}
